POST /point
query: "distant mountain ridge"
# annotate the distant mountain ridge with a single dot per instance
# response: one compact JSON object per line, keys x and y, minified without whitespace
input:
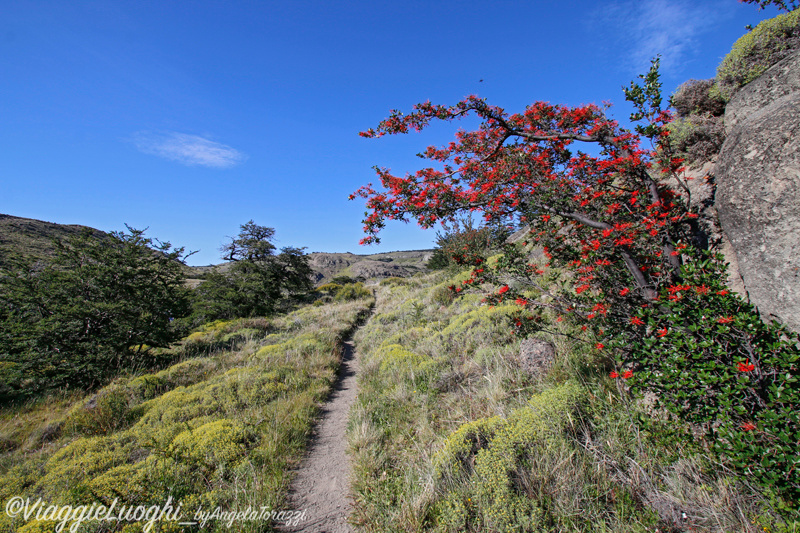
{"x":34,"y":238}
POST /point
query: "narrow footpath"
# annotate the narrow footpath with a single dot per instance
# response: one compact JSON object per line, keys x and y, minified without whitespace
{"x":322,"y":484}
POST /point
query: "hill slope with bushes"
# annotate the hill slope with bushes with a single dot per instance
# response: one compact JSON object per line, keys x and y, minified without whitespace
{"x":223,"y":427}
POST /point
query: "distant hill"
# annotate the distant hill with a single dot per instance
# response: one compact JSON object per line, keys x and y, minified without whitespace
{"x":384,"y":265}
{"x":34,"y":238}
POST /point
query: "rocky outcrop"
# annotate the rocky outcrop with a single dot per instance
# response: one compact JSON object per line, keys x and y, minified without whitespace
{"x":378,"y":269}
{"x":781,"y":80}
{"x":701,"y":182}
{"x":536,"y":356}
{"x":758,"y":189}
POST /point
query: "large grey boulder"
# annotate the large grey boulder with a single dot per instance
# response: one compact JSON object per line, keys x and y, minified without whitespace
{"x":758,"y":191}
{"x":701,"y":181}
{"x":780,"y":80}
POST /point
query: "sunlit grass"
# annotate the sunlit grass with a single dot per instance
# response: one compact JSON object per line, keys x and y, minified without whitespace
{"x":450,"y":434}
{"x":221,"y":428}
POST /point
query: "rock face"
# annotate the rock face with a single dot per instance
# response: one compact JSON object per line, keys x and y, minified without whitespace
{"x":701,"y":182}
{"x":758,"y":189}
{"x":781,"y":80}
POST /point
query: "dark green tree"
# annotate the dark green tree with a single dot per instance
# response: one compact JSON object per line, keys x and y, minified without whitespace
{"x":96,"y":307}
{"x":256,"y":281}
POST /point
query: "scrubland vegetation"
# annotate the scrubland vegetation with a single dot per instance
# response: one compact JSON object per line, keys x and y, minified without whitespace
{"x":223,"y":427}
{"x":450,"y":434}
{"x":669,"y":405}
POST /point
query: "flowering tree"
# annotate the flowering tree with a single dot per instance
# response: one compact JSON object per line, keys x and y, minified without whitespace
{"x":606,"y":209}
{"x":622,"y":225}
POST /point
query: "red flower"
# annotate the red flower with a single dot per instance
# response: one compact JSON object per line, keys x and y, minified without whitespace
{"x":746,"y":367}
{"x":627,"y":374}
{"x":613,"y":375}
{"x":521,"y":302}
{"x":624,"y":291}
{"x":723,"y":292}
{"x":725,"y":319}
{"x":581,"y":288}
{"x":636,"y":321}
{"x":503,"y":289}
{"x":748,"y":426}
{"x":663,"y":332}
{"x":599,"y":346}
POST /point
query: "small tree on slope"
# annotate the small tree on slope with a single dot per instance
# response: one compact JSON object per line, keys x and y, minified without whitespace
{"x":258,"y":281}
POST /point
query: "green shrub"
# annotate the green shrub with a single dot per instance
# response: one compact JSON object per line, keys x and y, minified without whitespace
{"x":393,"y":281}
{"x":105,"y":412}
{"x":491,"y":454}
{"x":352,"y":291}
{"x":223,"y":335}
{"x":713,"y":363}
{"x":461,"y":242}
{"x":442,"y":295}
{"x":697,"y":138}
{"x":756,"y":51}
{"x":329,"y":288}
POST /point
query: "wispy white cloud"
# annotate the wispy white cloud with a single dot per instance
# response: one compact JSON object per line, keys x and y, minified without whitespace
{"x":191,"y":150}
{"x":669,"y":28}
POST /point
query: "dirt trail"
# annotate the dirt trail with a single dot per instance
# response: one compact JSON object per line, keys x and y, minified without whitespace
{"x":322,"y":484}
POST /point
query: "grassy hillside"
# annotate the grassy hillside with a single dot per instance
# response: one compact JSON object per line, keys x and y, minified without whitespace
{"x":33,"y":238}
{"x":222,"y":428}
{"x":450,"y":434}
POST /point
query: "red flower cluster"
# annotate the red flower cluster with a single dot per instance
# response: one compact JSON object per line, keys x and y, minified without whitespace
{"x":746,"y":367}
{"x":625,"y":375}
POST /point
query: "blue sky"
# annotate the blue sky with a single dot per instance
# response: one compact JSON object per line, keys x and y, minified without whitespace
{"x":191,"y":118}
